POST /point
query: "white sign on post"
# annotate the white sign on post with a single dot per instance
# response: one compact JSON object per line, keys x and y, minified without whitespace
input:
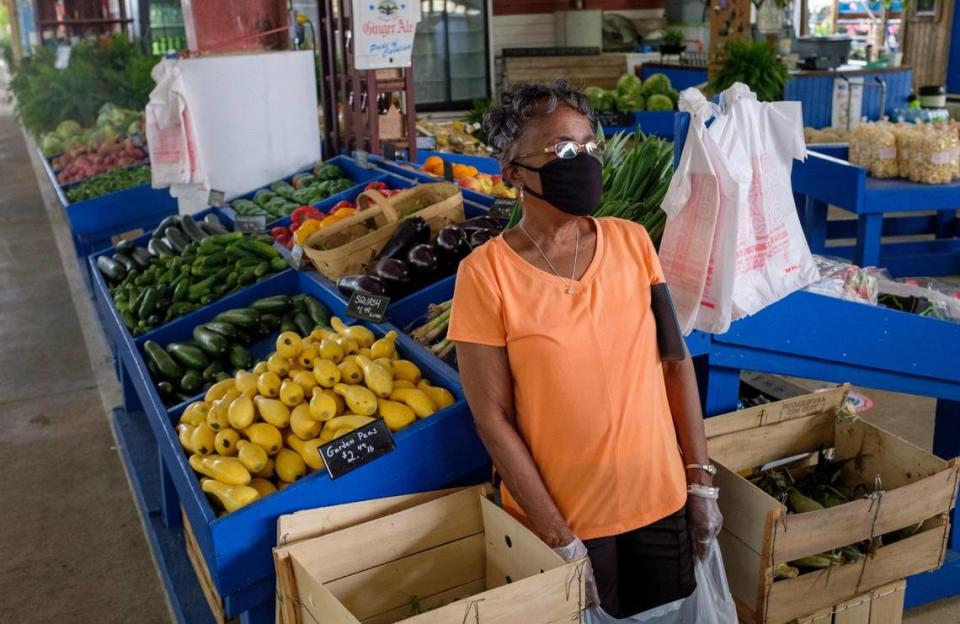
{"x":383,"y":32}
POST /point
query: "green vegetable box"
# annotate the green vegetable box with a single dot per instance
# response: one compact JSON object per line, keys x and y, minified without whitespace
{"x":325,"y":182}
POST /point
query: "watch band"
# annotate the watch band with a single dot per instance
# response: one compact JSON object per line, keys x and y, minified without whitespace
{"x":710,"y":469}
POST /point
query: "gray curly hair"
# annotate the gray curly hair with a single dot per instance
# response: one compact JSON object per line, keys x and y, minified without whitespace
{"x":504,"y":121}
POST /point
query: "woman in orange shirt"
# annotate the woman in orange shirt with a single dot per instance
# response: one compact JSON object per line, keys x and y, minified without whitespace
{"x":597,"y":441}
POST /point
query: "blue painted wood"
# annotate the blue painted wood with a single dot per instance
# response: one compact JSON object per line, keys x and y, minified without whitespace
{"x":722,"y":390}
{"x":946,"y":224}
{"x":892,"y":226}
{"x":831,"y":180}
{"x":869,"y":229}
{"x":911,"y":259}
{"x":815,"y":224}
{"x":898,"y":195}
{"x":680,"y":77}
{"x":937,"y":585}
{"x":815,"y":93}
{"x":138,"y":450}
{"x":657,"y":123}
{"x":169,"y":501}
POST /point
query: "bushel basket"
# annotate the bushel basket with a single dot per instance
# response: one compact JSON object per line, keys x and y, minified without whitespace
{"x":347,"y":246}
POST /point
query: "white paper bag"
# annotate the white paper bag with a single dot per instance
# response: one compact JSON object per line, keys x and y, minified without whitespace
{"x":171,"y":138}
{"x":760,"y":141}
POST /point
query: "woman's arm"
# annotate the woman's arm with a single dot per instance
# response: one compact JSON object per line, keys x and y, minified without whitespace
{"x":684,"y":398}
{"x":488,"y":384}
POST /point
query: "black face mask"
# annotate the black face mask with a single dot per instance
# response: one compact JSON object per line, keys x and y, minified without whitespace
{"x":572,"y":185}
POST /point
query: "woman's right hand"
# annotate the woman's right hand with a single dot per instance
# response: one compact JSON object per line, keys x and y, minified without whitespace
{"x":572,"y":551}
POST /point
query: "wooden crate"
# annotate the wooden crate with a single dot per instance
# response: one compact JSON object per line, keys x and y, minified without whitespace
{"x":461,"y":556}
{"x":203,"y":574}
{"x":758,"y":534}
{"x":601,"y":70}
{"x":883,"y":605}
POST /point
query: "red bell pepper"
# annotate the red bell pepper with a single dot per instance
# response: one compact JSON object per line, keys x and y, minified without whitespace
{"x":376,"y":185}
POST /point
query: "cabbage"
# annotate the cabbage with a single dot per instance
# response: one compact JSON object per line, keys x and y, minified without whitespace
{"x":596,"y":96}
{"x":110,"y":115}
{"x":629,"y":103}
{"x":135,"y":127}
{"x":52,"y":145}
{"x":68,"y":128}
{"x":657,"y":83}
{"x":627,"y":83}
{"x":659,"y":102}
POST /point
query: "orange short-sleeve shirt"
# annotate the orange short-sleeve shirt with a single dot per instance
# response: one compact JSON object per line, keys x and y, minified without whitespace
{"x":589,"y":392}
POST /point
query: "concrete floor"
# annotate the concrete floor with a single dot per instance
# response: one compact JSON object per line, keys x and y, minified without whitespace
{"x":72,"y":546}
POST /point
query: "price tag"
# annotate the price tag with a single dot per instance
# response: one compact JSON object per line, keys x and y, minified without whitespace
{"x":502,"y":208}
{"x":215,"y":199}
{"x":251,"y":224}
{"x":448,"y":171}
{"x":362,"y":159}
{"x":390,"y":151}
{"x":296,"y":257}
{"x":360,"y":446}
{"x":62,"y":61}
{"x":426,"y":143}
{"x":367,"y":307}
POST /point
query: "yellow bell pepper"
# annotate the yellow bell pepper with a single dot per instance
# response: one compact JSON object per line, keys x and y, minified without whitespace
{"x":305,"y":230}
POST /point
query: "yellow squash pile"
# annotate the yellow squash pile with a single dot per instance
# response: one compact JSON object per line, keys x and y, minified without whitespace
{"x":262,"y":430}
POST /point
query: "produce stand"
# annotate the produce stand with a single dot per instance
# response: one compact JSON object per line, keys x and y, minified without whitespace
{"x":411,"y":171}
{"x":657,"y":123}
{"x":818,"y":337}
{"x":824,"y":180}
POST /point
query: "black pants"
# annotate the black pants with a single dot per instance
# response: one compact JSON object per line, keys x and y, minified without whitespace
{"x":645,"y":568}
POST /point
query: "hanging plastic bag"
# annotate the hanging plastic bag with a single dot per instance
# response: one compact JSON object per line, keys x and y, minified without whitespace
{"x":710,"y":602}
{"x":701,"y":204}
{"x":171,"y":137}
{"x":761,"y":139}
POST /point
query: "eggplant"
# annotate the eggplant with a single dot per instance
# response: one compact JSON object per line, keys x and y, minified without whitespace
{"x":394,"y":274}
{"x":450,"y":241}
{"x":348,"y":284}
{"x":479,"y":237}
{"x":480,"y":223}
{"x":424,"y":261}
{"x":125,"y":260}
{"x":409,"y":233}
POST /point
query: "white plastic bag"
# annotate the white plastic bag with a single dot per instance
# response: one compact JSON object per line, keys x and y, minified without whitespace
{"x":701,"y":204}
{"x":760,"y":141}
{"x":710,"y":602}
{"x":174,"y":155}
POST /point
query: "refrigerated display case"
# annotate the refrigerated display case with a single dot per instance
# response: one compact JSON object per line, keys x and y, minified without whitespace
{"x":450,"y":54}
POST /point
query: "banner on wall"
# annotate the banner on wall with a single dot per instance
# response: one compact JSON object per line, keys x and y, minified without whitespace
{"x":383,"y":32}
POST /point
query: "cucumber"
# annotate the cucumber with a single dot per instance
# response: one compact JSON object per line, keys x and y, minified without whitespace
{"x":278,"y":304}
{"x":303,"y":323}
{"x":191,"y":382}
{"x":162,"y":360}
{"x":239,"y":357}
{"x":180,"y":292}
{"x":211,"y":342}
{"x":279,"y":264}
{"x":224,"y":329}
{"x":270,"y":320}
{"x":287,"y":324}
{"x":166,"y":389}
{"x":241,"y":317}
{"x":111,"y":269}
{"x":125,"y":247}
{"x":317,"y":312}
{"x":191,"y":229}
{"x":211,"y":222}
{"x":263,"y":250}
{"x":188,"y":355}
{"x":157,"y":247}
{"x":244,"y":336}
{"x":141,"y":256}
{"x":201,"y":288}
{"x":162,"y":227}
{"x":209,"y":246}
{"x":177,"y":239}
{"x":148,"y":302}
{"x":227,"y":237}
{"x":215,"y":367}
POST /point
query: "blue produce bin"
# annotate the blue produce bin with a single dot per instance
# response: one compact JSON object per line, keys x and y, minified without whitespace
{"x":407,"y":170}
{"x":657,"y":123}
{"x":440,"y":451}
{"x":362,"y":176}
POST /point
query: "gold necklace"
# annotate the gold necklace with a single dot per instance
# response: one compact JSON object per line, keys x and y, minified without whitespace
{"x":576,"y":257}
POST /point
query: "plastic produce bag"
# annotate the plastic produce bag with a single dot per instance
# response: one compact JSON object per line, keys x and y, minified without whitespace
{"x":760,"y":141}
{"x":843,"y":280}
{"x":710,"y":602}
{"x":174,"y":155}
{"x":700,"y":191}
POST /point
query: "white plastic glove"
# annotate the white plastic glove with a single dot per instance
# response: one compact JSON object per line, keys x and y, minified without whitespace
{"x":578,"y":550}
{"x":704,"y":519}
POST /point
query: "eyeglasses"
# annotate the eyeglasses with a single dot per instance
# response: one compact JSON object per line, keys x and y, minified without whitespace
{"x":569,"y":149}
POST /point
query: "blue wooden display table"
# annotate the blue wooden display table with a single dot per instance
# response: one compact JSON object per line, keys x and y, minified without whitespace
{"x":824,"y":180}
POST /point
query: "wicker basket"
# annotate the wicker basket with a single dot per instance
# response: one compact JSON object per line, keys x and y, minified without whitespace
{"x":347,"y":246}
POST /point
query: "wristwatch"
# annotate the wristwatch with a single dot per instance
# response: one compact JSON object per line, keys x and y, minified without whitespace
{"x":710,"y":469}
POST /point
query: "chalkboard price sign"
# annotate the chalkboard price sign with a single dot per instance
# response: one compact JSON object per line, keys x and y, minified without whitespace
{"x":215,"y":198}
{"x":615,"y":119}
{"x":251,"y":224}
{"x":448,"y":171}
{"x":502,"y":208}
{"x":367,"y":307}
{"x":357,"y":448}
{"x":389,"y":151}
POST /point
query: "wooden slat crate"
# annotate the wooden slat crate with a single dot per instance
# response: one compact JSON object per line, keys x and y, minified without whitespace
{"x":601,"y":70}
{"x":883,"y":605}
{"x":916,"y":487}
{"x":203,"y":574}
{"x":461,"y":556}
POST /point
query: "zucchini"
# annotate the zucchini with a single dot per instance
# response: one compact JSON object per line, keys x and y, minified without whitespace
{"x":188,"y":355}
{"x":215,"y":367}
{"x":141,"y":256}
{"x":211,"y":342}
{"x":126,"y":261}
{"x":166,"y":389}
{"x":111,"y":269}
{"x":162,"y":360}
{"x":157,"y":247}
{"x":162,"y":227}
{"x":244,"y":337}
{"x":191,"y":382}
{"x":191,"y":229}
{"x":222,"y":375}
{"x":317,"y":312}
{"x":224,"y":329}
{"x":177,"y":239}
{"x":287,"y":324}
{"x":239,"y":357}
{"x":125,"y":246}
{"x":278,"y":304}
{"x":303,"y":323}
{"x":148,"y":302}
{"x":278,"y":264}
{"x":211,"y":222}
{"x":270,"y":320}
{"x":240,"y":317}
{"x":180,"y":292}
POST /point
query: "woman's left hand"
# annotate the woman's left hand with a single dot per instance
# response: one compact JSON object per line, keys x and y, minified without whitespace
{"x":704,"y":519}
